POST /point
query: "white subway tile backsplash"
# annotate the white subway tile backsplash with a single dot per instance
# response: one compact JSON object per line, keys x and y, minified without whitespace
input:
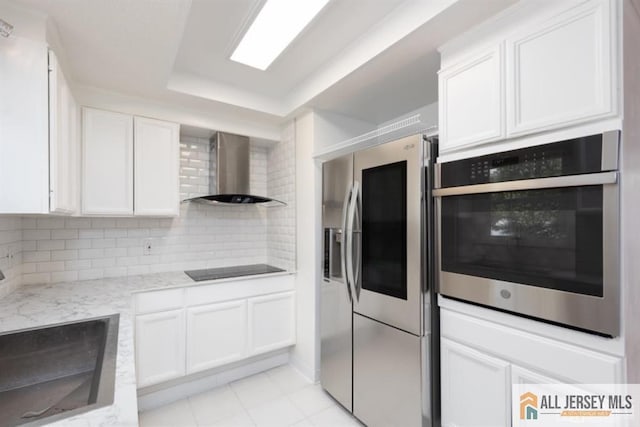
{"x":50,"y":223}
{"x":103,"y":262}
{"x":103,"y":222}
{"x":64,"y":276}
{"x":90,"y":253}
{"x":77,"y":244}
{"x":110,"y":233}
{"x":82,"y":264}
{"x":103,"y":243}
{"x":27,"y":223}
{"x":50,"y":245}
{"x":47,"y":267}
{"x":11,"y":251}
{"x":127,"y":223}
{"x":36,"y":234}
{"x":36,"y":278}
{"x":137,"y":232}
{"x":137,"y":269}
{"x":91,"y":234}
{"x":115,"y":252}
{"x":64,"y":234}
{"x":36,"y":256}
{"x":115,"y":272}
{"x":64,"y":255}
{"x":78,"y":223}
{"x":95,"y":273}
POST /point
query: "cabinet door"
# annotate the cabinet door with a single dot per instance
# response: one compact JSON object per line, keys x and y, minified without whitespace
{"x":271,"y":322}
{"x":476,"y":388}
{"x":562,"y":71}
{"x":216,"y":334}
{"x":107,"y":167}
{"x":160,"y":347}
{"x":157,"y":157}
{"x":24,"y":142}
{"x":62,"y":142}
{"x":472,"y":101}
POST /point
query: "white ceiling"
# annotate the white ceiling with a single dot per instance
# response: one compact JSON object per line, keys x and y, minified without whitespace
{"x":370,"y":59}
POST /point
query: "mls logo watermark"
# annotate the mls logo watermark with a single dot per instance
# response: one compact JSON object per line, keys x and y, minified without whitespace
{"x":557,"y":405}
{"x":528,"y":406}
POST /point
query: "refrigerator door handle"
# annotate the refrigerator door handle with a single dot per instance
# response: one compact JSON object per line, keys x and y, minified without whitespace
{"x":357,"y":235}
{"x":343,"y":252}
{"x":349,"y":240}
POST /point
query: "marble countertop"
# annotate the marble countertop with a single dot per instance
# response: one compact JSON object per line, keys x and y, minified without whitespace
{"x":39,"y":305}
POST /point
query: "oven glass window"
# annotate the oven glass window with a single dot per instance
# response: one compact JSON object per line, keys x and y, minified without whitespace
{"x":549,"y":238}
{"x":384,"y":229}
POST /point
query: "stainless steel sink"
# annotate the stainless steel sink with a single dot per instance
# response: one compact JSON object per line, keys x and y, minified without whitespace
{"x":57,"y":371}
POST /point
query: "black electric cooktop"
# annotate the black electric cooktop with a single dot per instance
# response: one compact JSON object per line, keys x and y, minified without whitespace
{"x":235,"y":271}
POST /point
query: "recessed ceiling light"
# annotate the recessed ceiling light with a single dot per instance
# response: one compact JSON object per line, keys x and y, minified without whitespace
{"x":275,"y":27}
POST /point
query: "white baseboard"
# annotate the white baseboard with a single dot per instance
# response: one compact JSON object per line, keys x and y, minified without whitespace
{"x":304,"y":368}
{"x":162,"y":394}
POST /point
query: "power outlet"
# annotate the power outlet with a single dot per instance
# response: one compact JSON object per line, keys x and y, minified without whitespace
{"x":147,"y":247}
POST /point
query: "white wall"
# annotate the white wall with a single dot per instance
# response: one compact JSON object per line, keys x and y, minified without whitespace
{"x":331,"y":128}
{"x":308,"y":181}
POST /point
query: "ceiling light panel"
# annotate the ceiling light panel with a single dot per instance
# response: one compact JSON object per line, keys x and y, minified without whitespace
{"x":278,"y":23}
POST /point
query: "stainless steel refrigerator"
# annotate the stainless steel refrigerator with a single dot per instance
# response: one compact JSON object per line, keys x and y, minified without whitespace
{"x":377,"y":343}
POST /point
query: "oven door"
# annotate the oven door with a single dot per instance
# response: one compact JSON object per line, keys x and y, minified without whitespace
{"x":546,"y":248}
{"x":383,"y":234}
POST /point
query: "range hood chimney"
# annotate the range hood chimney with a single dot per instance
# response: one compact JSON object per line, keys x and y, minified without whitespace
{"x":230,"y":184}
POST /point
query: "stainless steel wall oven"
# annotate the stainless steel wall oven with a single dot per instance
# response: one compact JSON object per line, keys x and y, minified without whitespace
{"x":535,"y":231}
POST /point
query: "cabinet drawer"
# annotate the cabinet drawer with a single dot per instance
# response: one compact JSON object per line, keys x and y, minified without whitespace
{"x":150,"y":302}
{"x":557,"y":359}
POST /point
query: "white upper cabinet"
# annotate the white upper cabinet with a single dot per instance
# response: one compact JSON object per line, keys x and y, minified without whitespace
{"x":156,"y":177}
{"x":537,"y":67}
{"x":559,"y":72}
{"x":107,"y":162}
{"x":125,"y":156}
{"x":472,"y":100}
{"x":38,"y":141}
{"x":63,"y":142}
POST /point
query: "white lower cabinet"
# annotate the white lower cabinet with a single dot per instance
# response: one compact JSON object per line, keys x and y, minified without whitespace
{"x":160,"y":347}
{"x":181,"y":331}
{"x":271,"y":322}
{"x":216,"y":334}
{"x":484,"y":353}
{"x":476,"y":388}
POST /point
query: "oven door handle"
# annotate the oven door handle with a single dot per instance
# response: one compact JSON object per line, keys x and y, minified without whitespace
{"x":602,"y":178}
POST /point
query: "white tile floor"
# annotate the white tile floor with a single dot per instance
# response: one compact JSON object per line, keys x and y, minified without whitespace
{"x":279,"y":397}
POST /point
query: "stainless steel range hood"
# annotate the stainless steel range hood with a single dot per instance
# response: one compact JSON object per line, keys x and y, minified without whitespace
{"x":230,"y":184}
